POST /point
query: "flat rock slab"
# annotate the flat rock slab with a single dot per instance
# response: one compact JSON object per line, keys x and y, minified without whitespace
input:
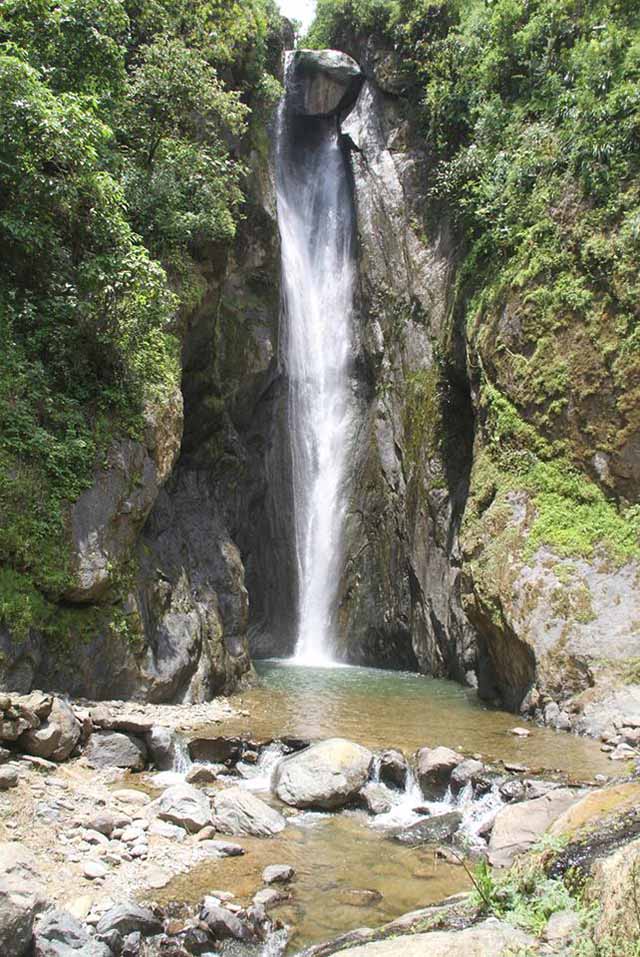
{"x":489,"y":939}
{"x":518,"y":826}
{"x":238,"y":811}
{"x":432,"y":830}
{"x":595,"y":806}
{"x":327,"y":775}
{"x":217,"y":750}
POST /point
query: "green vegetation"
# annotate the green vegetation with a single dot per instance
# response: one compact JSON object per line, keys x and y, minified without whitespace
{"x":122,"y":129}
{"x":422,"y":413}
{"x":527,"y":897}
{"x":530,"y":110}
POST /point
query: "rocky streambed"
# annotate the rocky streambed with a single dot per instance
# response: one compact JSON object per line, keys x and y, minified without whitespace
{"x":130,"y":829}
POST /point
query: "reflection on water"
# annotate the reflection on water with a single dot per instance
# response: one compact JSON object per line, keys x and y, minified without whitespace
{"x":399,"y":710}
{"x":339,"y":861}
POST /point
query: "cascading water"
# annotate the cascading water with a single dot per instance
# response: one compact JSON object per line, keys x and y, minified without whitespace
{"x":315,"y":218}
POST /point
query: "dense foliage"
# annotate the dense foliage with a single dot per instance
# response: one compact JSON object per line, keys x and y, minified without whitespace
{"x":530,"y":110}
{"x":121,"y":128}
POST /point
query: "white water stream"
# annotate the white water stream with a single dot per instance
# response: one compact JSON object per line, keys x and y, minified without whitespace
{"x":315,"y":221}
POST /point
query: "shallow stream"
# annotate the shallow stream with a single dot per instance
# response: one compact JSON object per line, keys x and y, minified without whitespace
{"x":350,"y":873}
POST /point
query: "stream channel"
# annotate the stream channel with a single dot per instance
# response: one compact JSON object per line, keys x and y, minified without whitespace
{"x":350,"y":872}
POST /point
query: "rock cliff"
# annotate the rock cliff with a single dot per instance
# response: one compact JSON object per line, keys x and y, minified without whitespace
{"x":182,"y":548}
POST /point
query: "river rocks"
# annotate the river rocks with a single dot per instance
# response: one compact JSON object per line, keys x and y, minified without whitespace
{"x":57,"y":735}
{"x":324,"y":81}
{"x":327,"y":775}
{"x":59,"y":934}
{"x":205,"y":773}
{"x":393,"y":769}
{"x":19,"y":713}
{"x":131,"y":796}
{"x":564,"y":925}
{"x":186,"y":806}
{"x":278,"y":874}
{"x":375,"y":798}
{"x":223,"y":848}
{"x":95,"y":870}
{"x":434,"y":767}
{"x":431,"y":830}
{"x":127,"y":918}
{"x":8,"y":778}
{"x":488,"y":938}
{"x":238,"y":811}
{"x":222,"y":924}
{"x":115,"y":749}
{"x":467,"y":772}
{"x":518,"y":826}
{"x":269,"y":897}
{"x":161,"y":744}
{"x":21,"y":899}
{"x":107,"y":517}
{"x":217,"y":750}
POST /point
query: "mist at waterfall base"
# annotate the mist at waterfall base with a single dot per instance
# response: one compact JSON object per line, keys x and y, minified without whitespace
{"x":315,"y":217}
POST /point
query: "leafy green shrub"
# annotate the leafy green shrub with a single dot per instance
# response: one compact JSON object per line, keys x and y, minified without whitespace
{"x":118,"y":168}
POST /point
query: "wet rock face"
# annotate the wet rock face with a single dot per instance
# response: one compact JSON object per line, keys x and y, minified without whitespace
{"x":431,"y":830}
{"x":107,"y":518}
{"x":400,"y":594}
{"x":434,"y":767}
{"x":323,"y":81}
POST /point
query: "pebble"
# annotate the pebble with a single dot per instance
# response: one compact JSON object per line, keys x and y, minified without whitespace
{"x":131,"y":834}
{"x":130,"y":796}
{"x":8,"y":778}
{"x":520,"y":732}
{"x":95,"y":870}
{"x":278,"y":874}
{"x":94,"y":837}
{"x":206,"y":834}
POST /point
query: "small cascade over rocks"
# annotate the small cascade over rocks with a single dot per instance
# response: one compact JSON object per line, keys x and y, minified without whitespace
{"x":316,"y":222}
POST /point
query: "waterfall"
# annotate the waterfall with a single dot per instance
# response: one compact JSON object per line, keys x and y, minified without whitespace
{"x":315,"y":217}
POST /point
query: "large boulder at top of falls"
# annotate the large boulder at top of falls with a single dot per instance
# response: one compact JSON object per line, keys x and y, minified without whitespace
{"x":327,"y":775}
{"x":323,"y":81}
